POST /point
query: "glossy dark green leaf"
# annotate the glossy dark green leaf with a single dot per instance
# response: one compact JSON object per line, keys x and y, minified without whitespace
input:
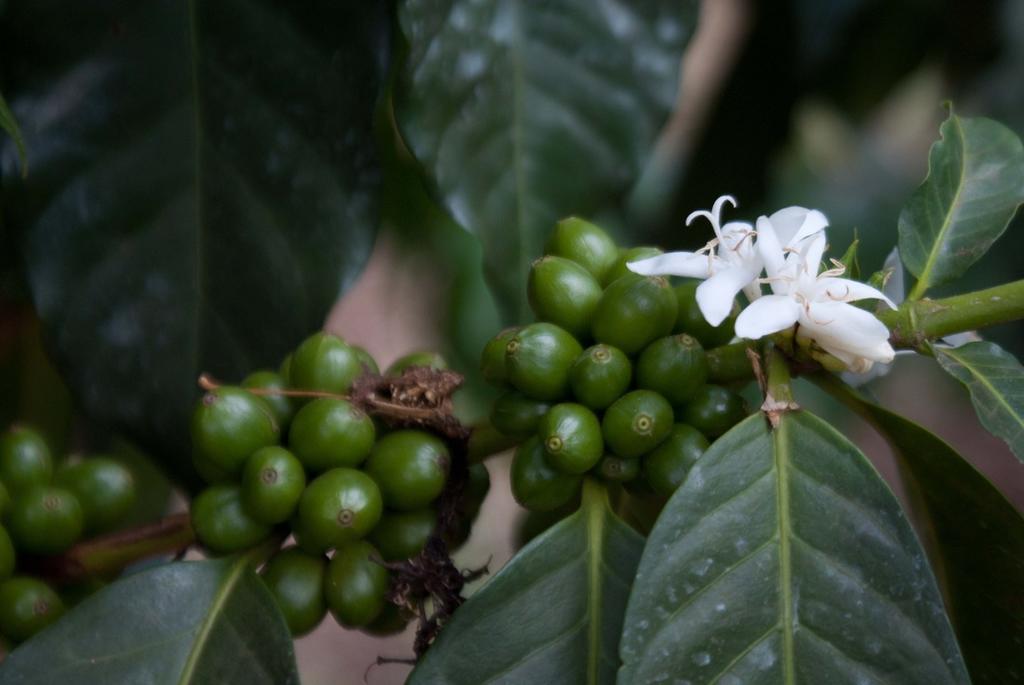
{"x":552,"y":615}
{"x":525,"y":112}
{"x":996,"y":381}
{"x":975,"y":183}
{"x":203,"y":187}
{"x":976,"y":542}
{"x":9,"y":124}
{"x":183,"y":623}
{"x":784,"y":558}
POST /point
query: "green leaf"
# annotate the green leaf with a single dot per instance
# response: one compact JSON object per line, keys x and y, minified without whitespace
{"x":552,"y":615}
{"x":204,"y":186}
{"x":525,"y":112}
{"x":850,"y":261}
{"x":784,"y":558}
{"x":975,"y":183}
{"x":996,"y":381}
{"x":976,"y":541}
{"x":9,"y":124}
{"x":181,"y":623}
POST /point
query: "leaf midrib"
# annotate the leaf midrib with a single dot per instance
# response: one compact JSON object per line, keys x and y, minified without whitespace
{"x":781,"y":456}
{"x":234,"y":575}
{"x":923,"y":283}
{"x":594,"y":501}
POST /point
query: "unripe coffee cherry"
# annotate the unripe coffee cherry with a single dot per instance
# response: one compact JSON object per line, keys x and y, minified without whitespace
{"x":338,"y":507}
{"x":282,"y":405}
{"x":356,"y":584}
{"x":25,"y":460}
{"x":228,"y":425}
{"x":104,"y":488}
{"x":324,"y":362}
{"x":27,"y":605}
{"x":45,"y":520}
{"x":272,"y":483}
{"x":674,"y":366}
{"x":666,"y":466}
{"x":221,"y":522}
{"x":571,"y":436}
{"x":401,"y":535}
{"x":296,"y":580}
{"x":410,"y":467}
{"x":492,"y":361}
{"x":636,"y":423}
{"x":713,"y":410}
{"x":584,"y":243}
{"x":689,"y":318}
{"x":516,"y":415}
{"x":329,"y":432}
{"x":430,"y":360}
{"x":632,"y":254}
{"x":634,"y":311}
{"x":564,"y":293}
{"x":367,"y":361}
{"x":536,"y":484}
{"x":538,"y":359}
{"x":618,"y":470}
{"x":599,"y":376}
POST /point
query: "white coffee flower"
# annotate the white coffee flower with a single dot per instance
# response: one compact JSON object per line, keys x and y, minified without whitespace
{"x":730,"y":262}
{"x":819,"y":303}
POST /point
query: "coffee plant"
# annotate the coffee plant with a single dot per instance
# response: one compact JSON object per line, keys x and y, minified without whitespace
{"x":677,"y":391}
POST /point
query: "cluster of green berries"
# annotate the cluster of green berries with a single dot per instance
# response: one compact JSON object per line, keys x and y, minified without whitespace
{"x":355,"y":495}
{"x":635,"y":406}
{"x":45,"y":508}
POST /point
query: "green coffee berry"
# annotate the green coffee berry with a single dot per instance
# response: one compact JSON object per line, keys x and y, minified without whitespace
{"x":477,"y":487}
{"x":571,"y":436}
{"x":713,"y":410}
{"x":282,"y":405}
{"x":599,"y":376}
{"x":634,"y":311}
{"x":5,"y":500}
{"x":338,"y":507}
{"x":636,"y":423}
{"x":45,"y":520}
{"x":537,"y":485}
{"x":618,"y":470}
{"x":272,"y":483}
{"x":7,"y":554}
{"x":104,"y":488}
{"x":430,"y":360}
{"x":564,"y":293}
{"x":400,"y":535}
{"x":356,"y":584}
{"x":328,"y":432}
{"x":324,"y":362}
{"x":619,"y":269}
{"x":689,"y":318}
{"x":391,"y":621}
{"x":25,"y":459}
{"x":492,"y":361}
{"x":228,"y":425}
{"x":222,"y":523}
{"x":666,"y":466}
{"x":27,"y":605}
{"x":516,"y":415}
{"x":366,"y":359}
{"x":296,"y":580}
{"x":584,"y":243}
{"x":538,"y":359}
{"x":285,"y":370}
{"x":411,"y":468}
{"x":674,"y":366}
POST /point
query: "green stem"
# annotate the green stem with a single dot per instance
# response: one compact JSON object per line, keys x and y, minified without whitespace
{"x":918,"y":321}
{"x":778,"y":376}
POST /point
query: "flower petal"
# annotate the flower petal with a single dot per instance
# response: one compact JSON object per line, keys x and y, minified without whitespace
{"x":715,"y":296}
{"x":846,"y":331}
{"x":769,"y":314}
{"x":689,"y":264}
{"x":793,"y":224}
{"x":770,"y":250}
{"x":845,"y":290}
